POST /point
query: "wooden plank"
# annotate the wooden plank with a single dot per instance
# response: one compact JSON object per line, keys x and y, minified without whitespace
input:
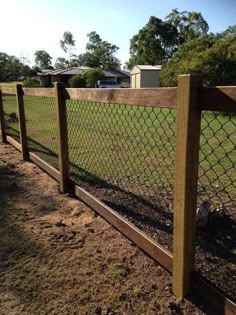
{"x":148,"y":245}
{"x":220,"y":98}
{"x":219,"y":303}
{"x":45,"y":166}
{"x":62,"y":136}
{"x":42,"y":92}
{"x":186,"y":177}
{"x":2,"y":120}
{"x":22,"y":124}
{"x":15,"y":144}
{"x":9,"y":90}
{"x":158,"y":97}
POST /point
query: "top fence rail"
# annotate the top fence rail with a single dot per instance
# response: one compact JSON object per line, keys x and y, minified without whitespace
{"x":158,"y":97}
{"x":220,"y":98}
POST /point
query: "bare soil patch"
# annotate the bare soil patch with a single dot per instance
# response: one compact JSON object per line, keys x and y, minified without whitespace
{"x":58,"y":257}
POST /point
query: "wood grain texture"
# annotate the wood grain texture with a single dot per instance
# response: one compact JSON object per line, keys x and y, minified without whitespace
{"x":22,"y":124}
{"x":41,"y":92}
{"x":154,"y":250}
{"x":62,"y":136}
{"x":186,"y":177}
{"x":14,"y":143}
{"x":9,"y":90}
{"x":220,"y":98}
{"x":159,"y":97}
{"x":2,"y":120}
{"x":54,"y":173}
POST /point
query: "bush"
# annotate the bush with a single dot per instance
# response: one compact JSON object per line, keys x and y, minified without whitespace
{"x":92,"y":76}
{"x":77,"y":81}
{"x":31,"y":83}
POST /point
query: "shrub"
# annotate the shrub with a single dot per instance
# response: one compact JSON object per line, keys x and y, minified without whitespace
{"x":77,"y":81}
{"x":92,"y":76}
{"x":31,"y":83}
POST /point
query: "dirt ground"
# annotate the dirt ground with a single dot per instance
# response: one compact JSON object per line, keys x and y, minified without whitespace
{"x":58,"y":257}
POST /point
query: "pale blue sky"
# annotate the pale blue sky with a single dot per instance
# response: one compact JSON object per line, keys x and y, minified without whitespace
{"x":30,"y":25}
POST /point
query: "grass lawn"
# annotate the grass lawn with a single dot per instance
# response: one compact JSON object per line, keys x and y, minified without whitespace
{"x":132,"y":147}
{"x":10,"y":84}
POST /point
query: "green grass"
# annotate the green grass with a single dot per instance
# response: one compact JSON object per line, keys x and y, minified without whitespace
{"x":132,"y":147}
{"x":10,"y":84}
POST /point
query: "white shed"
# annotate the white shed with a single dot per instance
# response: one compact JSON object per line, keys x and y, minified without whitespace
{"x":145,"y":76}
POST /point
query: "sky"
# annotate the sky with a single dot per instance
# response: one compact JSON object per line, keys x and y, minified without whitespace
{"x":30,"y":25}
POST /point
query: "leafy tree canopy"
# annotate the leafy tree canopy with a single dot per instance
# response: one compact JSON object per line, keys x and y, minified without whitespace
{"x":43,"y":59}
{"x":99,"y":53}
{"x":11,"y":68}
{"x":67,"y":43}
{"x":213,"y":56}
{"x":156,"y":42}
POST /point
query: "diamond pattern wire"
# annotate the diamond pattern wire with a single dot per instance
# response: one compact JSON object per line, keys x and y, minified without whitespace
{"x":128,"y":148}
{"x":217,"y":171}
{"x":11,"y":116}
{"x":40,"y":115}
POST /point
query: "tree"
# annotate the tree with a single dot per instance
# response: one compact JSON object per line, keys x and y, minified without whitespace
{"x":77,"y":81}
{"x":67,"y":43}
{"x":213,"y":56}
{"x":43,"y":59}
{"x":153,"y":44}
{"x":11,"y":68}
{"x":99,"y":53}
{"x":92,"y":76}
{"x":61,"y":63}
{"x":189,"y":25}
{"x":158,"y":40}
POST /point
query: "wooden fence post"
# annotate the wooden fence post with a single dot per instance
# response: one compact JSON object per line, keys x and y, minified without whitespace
{"x":2,"y":120}
{"x":22,"y":124}
{"x":62,"y":136}
{"x":186,"y":179}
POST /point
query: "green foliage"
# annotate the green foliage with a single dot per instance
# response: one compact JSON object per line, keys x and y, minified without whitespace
{"x":212,"y":56}
{"x":77,"y":81}
{"x":43,"y":59}
{"x":31,"y":83}
{"x":67,"y":43}
{"x":92,"y":76}
{"x":12,"y":69}
{"x":61,"y":63}
{"x":189,"y":25}
{"x":99,"y":53}
{"x":156,"y":42}
{"x":153,"y":44}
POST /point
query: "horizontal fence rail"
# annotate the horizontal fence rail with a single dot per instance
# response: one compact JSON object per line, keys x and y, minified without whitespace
{"x":162,"y":97}
{"x":125,"y":151}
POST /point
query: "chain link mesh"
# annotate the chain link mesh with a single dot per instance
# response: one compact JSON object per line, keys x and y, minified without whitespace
{"x":217,"y":171}
{"x":124,"y":155}
{"x":40,"y":113}
{"x":11,"y":116}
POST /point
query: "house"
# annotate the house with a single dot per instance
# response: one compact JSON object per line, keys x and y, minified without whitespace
{"x":145,"y":76}
{"x":48,"y":77}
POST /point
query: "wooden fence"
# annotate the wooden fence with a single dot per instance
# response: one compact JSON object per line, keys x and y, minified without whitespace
{"x":189,"y":100}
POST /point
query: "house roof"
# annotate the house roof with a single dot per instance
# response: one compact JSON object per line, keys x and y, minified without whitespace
{"x":149,"y":67}
{"x":68,"y":71}
{"x":78,"y":70}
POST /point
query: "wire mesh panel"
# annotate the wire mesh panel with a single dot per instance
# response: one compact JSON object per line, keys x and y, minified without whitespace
{"x":215,"y":257}
{"x":40,"y":115}
{"x":11,"y":116}
{"x":124,"y":155}
{"x":217,"y":174}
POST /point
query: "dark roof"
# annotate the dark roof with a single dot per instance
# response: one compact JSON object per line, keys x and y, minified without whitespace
{"x":78,"y":70}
